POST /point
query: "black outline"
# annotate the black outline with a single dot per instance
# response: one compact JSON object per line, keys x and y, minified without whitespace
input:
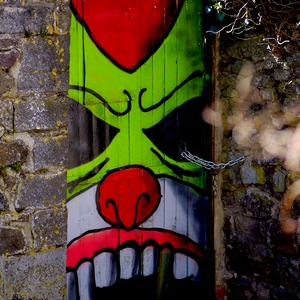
{"x":113,"y":202}
{"x":139,"y":249}
{"x":106,"y":104}
{"x":196,"y":188}
{"x":73,"y":184}
{"x":195,"y":74}
{"x":176,"y":169}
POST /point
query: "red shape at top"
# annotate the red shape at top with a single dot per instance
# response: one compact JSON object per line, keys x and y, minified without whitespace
{"x":128,"y":32}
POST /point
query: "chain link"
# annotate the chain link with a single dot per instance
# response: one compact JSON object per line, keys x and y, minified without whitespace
{"x":209,"y":165}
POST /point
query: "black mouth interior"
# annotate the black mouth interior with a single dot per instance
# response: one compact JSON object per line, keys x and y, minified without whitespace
{"x":145,"y":288}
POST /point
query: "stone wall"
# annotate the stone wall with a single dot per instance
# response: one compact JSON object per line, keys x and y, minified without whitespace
{"x":259,"y":95}
{"x":33,"y":147}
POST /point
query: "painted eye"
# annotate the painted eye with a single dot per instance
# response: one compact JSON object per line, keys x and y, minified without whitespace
{"x":88,"y":136}
{"x":184,"y":126}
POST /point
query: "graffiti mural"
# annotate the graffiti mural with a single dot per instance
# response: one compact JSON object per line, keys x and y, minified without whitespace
{"x":138,"y":213}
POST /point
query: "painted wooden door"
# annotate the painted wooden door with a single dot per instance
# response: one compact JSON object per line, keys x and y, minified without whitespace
{"x":138,"y":214}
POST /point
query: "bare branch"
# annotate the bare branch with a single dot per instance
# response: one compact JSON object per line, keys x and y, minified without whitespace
{"x":279,"y":19}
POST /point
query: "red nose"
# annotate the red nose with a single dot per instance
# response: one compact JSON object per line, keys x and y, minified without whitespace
{"x":128,"y":197}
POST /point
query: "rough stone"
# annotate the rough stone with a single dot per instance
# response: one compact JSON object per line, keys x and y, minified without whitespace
{"x":268,"y":64}
{"x":63,"y":21}
{"x":7,"y":82}
{"x":281,"y":75}
{"x":239,"y":194}
{"x":12,"y":152}
{"x":50,"y":151}
{"x":49,"y":228}
{"x":7,"y":44}
{"x":250,"y":174}
{"x":44,"y":66}
{"x":236,"y":67}
{"x":252,"y":229}
{"x":3,"y":202}
{"x":231,"y":178}
{"x":2,"y":268}
{"x":268,"y":94}
{"x":279,"y":178}
{"x":40,"y":112}
{"x":8,"y":58}
{"x":263,"y":292}
{"x":36,"y":276}
{"x":293,"y":88}
{"x":12,"y":240}
{"x":34,"y":63}
{"x":257,"y":203}
{"x":260,"y":79}
{"x":6,"y":115}
{"x":41,"y":191}
{"x":15,"y":19}
{"x":2,"y":131}
{"x":11,"y":182}
{"x":235,"y":51}
{"x":281,"y":293}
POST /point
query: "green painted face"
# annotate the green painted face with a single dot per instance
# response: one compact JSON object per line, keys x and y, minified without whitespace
{"x":135,"y":102}
{"x":136,"y":208}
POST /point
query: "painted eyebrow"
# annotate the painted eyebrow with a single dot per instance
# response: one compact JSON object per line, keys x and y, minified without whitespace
{"x":176,"y":169}
{"x":73,"y":184}
{"x":196,"y":74}
{"x":98,"y":96}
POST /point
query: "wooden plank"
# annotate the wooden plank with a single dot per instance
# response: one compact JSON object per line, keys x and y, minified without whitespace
{"x":135,"y":209}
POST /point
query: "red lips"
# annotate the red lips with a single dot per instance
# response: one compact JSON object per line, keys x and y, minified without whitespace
{"x":87,"y":246}
{"x":128,"y":32}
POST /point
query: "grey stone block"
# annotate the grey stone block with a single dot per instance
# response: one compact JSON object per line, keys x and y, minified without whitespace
{"x":8,"y":58}
{"x":2,"y":268}
{"x":7,"y":44}
{"x":63,"y":21}
{"x":14,"y":19}
{"x":44,"y":66}
{"x":12,"y":240}
{"x":250,"y":174}
{"x":40,"y":112}
{"x":37,"y":276}
{"x":12,"y":152}
{"x":7,"y":82}
{"x":3,"y":202}
{"x":50,"y":151}
{"x":6,"y":114}
{"x":49,"y":228}
{"x":42,"y":82}
{"x":41,"y":191}
{"x":279,"y":178}
{"x":281,"y":75}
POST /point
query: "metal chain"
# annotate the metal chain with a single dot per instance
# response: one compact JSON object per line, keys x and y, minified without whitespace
{"x":209,"y":165}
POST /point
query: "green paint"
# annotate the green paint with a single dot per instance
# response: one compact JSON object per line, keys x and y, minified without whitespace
{"x":179,"y":56}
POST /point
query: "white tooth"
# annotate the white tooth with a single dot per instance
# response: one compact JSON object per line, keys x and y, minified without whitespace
{"x":129,"y":263}
{"x":184,"y":267}
{"x":86,"y":281}
{"x":105,"y":269}
{"x":149,"y":260}
{"x":71,"y":286}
